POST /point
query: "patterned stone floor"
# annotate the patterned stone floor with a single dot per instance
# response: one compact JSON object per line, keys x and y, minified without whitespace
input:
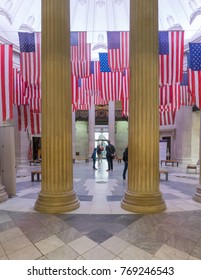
{"x":100,"y":229}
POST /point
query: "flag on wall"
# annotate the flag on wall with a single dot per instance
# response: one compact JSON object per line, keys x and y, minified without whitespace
{"x":171,"y":55}
{"x":118,"y":49}
{"x":195,"y":71}
{"x":6,"y":83}
{"x":30,"y":57}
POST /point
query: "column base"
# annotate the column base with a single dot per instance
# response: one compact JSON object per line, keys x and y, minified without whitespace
{"x":197,"y":194}
{"x":58,"y":203}
{"x":143,"y":203}
{"x":3,"y":194}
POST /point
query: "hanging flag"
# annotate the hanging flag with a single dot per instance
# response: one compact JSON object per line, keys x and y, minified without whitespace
{"x":6,"y":83}
{"x":125,"y":107}
{"x":166,"y":115}
{"x":104,"y":66}
{"x":171,"y":55}
{"x":34,"y":122}
{"x":165,"y":95}
{"x":80,"y":50}
{"x":30,"y":57}
{"x":118,"y":49}
{"x":106,"y":86}
{"x":117,"y":86}
{"x":93,"y":82}
{"x":74,"y":87}
{"x":195,"y":71}
{"x":80,"y":54}
{"x":22,"y":117}
{"x":126,"y":84}
{"x":185,"y":95}
{"x":84,"y":97}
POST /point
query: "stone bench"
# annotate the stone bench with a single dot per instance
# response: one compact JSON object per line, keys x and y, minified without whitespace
{"x":35,"y":161}
{"x":86,"y":159}
{"x":171,"y":161}
{"x":191,"y":166}
{"x":38,"y":174}
{"x":164,"y":172}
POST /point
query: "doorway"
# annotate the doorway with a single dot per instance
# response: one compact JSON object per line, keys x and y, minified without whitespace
{"x":101,"y":137}
{"x":168,"y":152}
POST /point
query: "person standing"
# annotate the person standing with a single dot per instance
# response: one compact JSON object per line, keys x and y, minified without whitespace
{"x":110,"y":151}
{"x":93,"y":156}
{"x":99,"y":153}
{"x":125,"y":159}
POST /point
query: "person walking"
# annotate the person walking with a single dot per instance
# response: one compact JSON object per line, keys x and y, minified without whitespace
{"x":125,"y":159}
{"x":99,"y":153}
{"x":93,"y":156}
{"x":110,"y":151}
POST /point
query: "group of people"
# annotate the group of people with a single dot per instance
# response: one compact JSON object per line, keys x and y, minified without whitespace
{"x":110,"y":155}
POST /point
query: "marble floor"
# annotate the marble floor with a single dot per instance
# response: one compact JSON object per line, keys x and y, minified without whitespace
{"x":100,"y":229}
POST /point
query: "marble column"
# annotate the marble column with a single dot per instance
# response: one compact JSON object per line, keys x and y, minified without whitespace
{"x":197,"y":194}
{"x":143,"y":194}
{"x":91,"y":128}
{"x":56,"y":195}
{"x":73,"y":134}
{"x":111,"y":121}
{"x":3,"y":193}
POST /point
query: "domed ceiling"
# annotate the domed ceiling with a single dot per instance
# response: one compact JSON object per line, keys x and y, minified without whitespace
{"x":97,"y":17}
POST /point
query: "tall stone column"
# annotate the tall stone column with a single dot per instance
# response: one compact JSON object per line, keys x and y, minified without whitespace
{"x":57,"y":193}
{"x":3,"y":193}
{"x":73,"y":134}
{"x":91,"y":128}
{"x":111,"y":121}
{"x":197,"y":194}
{"x":142,"y":194}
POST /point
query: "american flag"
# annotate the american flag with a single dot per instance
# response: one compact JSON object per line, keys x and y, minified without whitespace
{"x":118,"y":50}
{"x":22,"y":117}
{"x":17,"y":87}
{"x":171,"y":55}
{"x":6,"y":83}
{"x":104,"y":66}
{"x":105,"y":77}
{"x":170,"y":94}
{"x":80,"y":54}
{"x":166,"y":115}
{"x":195,"y":71}
{"x":117,"y":85}
{"x":34,"y":122}
{"x":93,"y":82}
{"x":30,"y":57}
{"x":165,"y":95}
{"x":80,"y":50}
{"x":185,"y":95}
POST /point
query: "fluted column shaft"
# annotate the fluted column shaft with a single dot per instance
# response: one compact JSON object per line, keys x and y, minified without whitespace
{"x":57,"y":193}
{"x":143,"y":193}
{"x":91,"y":128}
{"x":197,"y":194}
{"x":111,"y":121}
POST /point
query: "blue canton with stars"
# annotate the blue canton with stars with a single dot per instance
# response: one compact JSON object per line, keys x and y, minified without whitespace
{"x":27,"y":42}
{"x":195,"y":56}
{"x":163,"y":42}
{"x":104,"y":66}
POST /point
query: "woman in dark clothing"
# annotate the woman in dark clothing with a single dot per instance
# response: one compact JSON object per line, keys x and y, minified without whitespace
{"x":93,"y":156}
{"x":110,"y":151}
{"x":125,"y":159}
